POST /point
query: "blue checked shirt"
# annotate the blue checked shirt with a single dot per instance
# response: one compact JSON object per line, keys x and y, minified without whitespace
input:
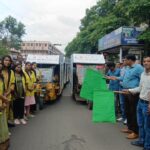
{"x":132,"y":76}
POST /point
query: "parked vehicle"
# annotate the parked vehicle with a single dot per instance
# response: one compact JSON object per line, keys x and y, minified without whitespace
{"x":50,"y":75}
{"x":79,"y":64}
{"x":66,"y":70}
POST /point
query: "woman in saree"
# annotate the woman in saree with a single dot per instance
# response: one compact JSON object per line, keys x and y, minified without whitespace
{"x":4,"y":133}
{"x":30,"y":87}
{"x":9,"y":81}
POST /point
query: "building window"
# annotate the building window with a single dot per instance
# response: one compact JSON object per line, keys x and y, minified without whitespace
{"x":45,"y":45}
{"x":31,"y":44}
{"x":37,"y":44}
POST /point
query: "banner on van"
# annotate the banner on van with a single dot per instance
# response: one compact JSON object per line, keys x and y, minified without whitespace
{"x":88,"y":58}
{"x":43,"y":59}
{"x":81,"y":70}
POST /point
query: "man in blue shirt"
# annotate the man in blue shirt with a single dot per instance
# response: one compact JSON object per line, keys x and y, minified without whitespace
{"x":114,"y":84}
{"x":131,"y":80}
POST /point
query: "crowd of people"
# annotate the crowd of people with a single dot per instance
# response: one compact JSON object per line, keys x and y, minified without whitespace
{"x":131,"y":83}
{"x":17,"y":95}
{"x":129,"y":80}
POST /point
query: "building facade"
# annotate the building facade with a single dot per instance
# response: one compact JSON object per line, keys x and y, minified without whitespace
{"x":14,"y":53}
{"x":39,"y":47}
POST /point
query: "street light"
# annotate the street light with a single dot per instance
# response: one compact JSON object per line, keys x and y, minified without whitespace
{"x":57,"y":44}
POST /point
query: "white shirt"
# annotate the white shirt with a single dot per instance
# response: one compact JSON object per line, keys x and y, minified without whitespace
{"x":144,"y":86}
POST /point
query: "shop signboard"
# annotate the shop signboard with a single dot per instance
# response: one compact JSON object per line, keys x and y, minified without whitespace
{"x":121,"y":36}
{"x":110,"y":40}
{"x":129,"y":36}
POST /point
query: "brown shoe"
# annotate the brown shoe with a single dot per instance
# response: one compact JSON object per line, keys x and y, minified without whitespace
{"x":126,"y":130}
{"x":132,"y":136}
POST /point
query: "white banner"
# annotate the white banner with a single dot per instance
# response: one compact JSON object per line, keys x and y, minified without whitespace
{"x":43,"y":59}
{"x":88,"y":58}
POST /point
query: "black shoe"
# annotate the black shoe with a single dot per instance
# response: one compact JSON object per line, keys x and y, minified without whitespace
{"x":137,"y":143}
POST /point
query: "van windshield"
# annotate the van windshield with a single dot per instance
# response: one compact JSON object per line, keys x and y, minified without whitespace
{"x":46,"y":74}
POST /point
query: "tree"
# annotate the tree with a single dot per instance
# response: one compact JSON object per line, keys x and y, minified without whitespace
{"x":11,"y":32}
{"x":3,"y":50}
{"x":140,"y":11}
{"x":106,"y":16}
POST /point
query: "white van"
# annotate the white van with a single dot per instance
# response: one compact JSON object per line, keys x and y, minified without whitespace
{"x":49,"y":66}
{"x":79,"y":64}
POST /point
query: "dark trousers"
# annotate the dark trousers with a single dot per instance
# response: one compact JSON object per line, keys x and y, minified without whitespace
{"x":117,"y":104}
{"x":38,"y":105}
{"x":18,"y":106}
{"x":131,"y":102}
{"x":33,"y":107}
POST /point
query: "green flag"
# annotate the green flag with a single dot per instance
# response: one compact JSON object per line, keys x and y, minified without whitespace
{"x":103,"y":107}
{"x":93,"y":80}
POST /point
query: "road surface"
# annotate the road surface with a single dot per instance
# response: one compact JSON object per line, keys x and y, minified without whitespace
{"x":67,"y":125}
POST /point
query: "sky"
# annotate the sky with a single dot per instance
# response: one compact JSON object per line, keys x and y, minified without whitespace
{"x":56,"y":21}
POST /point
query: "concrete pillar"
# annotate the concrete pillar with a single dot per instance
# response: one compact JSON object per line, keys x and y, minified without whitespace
{"x":120,"y":54}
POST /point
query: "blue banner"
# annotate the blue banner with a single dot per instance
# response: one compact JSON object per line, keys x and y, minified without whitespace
{"x":129,"y":36}
{"x":121,"y":36}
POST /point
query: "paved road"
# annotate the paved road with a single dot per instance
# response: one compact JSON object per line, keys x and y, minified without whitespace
{"x":67,"y":125}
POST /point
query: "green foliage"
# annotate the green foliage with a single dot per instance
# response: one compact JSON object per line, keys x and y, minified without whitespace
{"x":145,"y":36}
{"x":106,"y":16}
{"x":139,"y":10}
{"x":3,"y":50}
{"x":11,"y":32}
